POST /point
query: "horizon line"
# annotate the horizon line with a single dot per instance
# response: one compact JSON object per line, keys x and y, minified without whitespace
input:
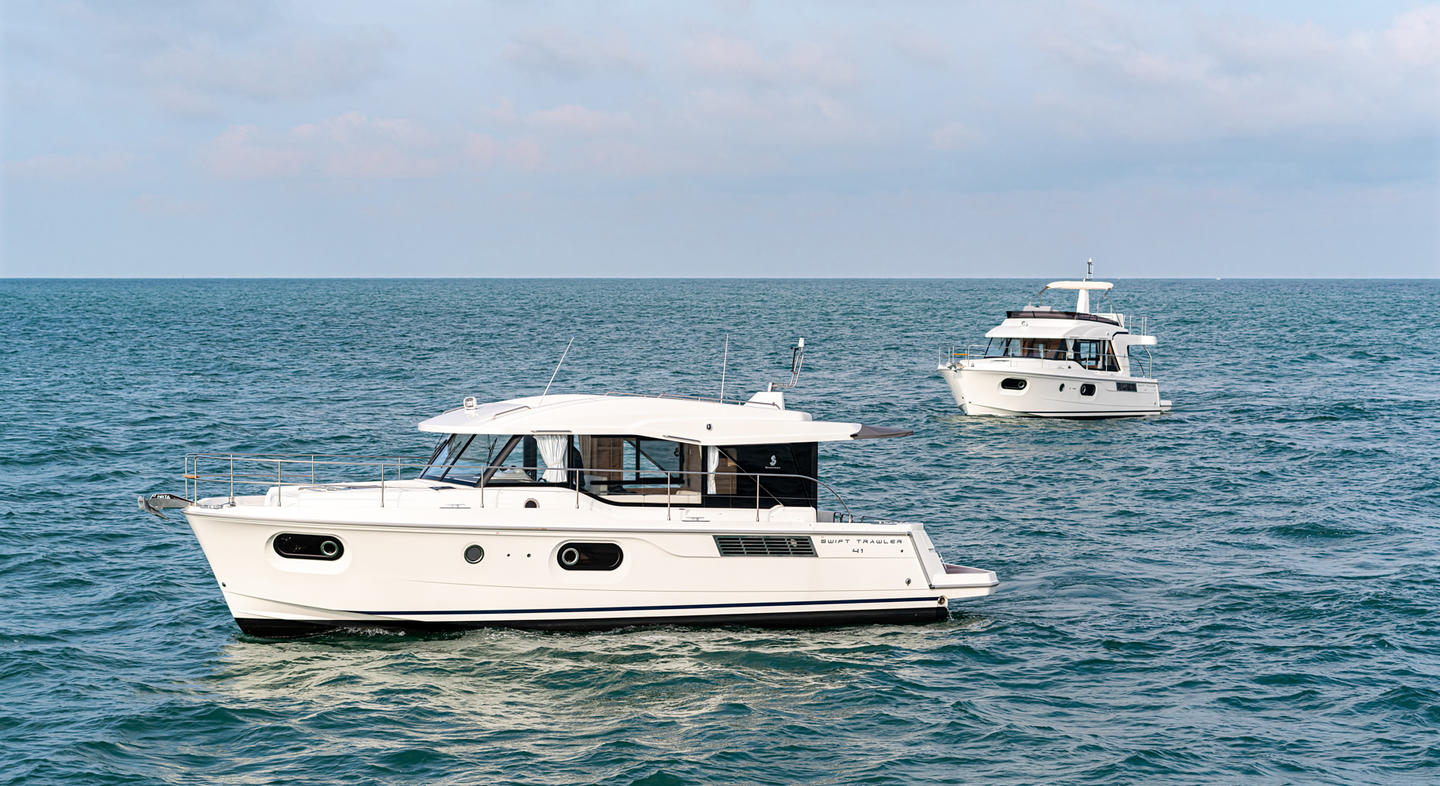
{"x":703,"y":278}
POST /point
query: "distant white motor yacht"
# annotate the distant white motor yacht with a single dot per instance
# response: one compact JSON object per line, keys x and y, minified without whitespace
{"x":566,"y":511}
{"x":1046,"y":362}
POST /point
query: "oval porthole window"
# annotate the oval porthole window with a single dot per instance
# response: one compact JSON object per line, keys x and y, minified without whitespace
{"x":589,"y":556}
{"x":293,"y":545}
{"x":1087,"y":389}
{"x":1012,"y":383}
{"x":474,"y":554}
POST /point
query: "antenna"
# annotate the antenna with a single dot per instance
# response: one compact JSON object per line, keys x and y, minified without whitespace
{"x":557,"y":370}
{"x":1089,"y":268}
{"x":797,"y":360}
{"x":724,"y":361}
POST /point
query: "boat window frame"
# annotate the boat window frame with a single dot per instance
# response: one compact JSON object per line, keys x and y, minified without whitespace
{"x":487,"y":477}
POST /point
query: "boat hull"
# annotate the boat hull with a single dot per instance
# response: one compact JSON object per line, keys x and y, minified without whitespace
{"x":413,"y":576}
{"x":1049,"y":390}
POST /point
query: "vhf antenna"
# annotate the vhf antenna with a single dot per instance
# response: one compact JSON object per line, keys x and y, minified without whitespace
{"x":557,"y":370}
{"x":797,"y":359}
{"x":724,"y":361}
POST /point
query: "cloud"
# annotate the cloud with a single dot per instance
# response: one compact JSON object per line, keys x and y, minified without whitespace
{"x":922,"y":48}
{"x":484,"y":151}
{"x":776,"y":117}
{"x":953,"y":137}
{"x":351,"y":145}
{"x":563,"y":55}
{"x":578,"y":119}
{"x":204,"y":73}
{"x":801,"y":63}
{"x":1252,"y":78}
{"x":72,"y":166}
{"x":166,"y":206}
{"x":243,"y":153}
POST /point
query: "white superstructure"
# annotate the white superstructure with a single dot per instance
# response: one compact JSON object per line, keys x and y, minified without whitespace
{"x":566,"y":511}
{"x":1046,"y":362}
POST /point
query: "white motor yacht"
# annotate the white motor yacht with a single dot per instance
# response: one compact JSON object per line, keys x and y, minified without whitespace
{"x":1047,"y":362}
{"x":566,"y":511}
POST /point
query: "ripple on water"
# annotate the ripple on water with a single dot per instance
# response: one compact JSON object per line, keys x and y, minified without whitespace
{"x":1243,"y":590}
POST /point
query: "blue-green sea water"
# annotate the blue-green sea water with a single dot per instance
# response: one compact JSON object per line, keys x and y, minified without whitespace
{"x":1242,"y":591}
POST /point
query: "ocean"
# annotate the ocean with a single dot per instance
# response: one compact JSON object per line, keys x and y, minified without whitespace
{"x":1244,"y":590}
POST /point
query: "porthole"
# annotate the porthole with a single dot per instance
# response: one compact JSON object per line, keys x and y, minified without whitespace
{"x":474,"y":554}
{"x":589,"y":556}
{"x":530,"y":503}
{"x":296,"y":546}
{"x":1087,"y":389}
{"x":1062,"y":387}
{"x":1012,"y":383}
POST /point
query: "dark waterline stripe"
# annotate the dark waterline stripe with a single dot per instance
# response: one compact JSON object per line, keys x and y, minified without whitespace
{"x":933,"y":599}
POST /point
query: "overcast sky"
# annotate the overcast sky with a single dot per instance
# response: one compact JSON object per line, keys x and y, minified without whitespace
{"x":720,"y":139}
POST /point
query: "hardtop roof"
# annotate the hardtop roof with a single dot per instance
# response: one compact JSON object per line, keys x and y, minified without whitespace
{"x":762,"y":420}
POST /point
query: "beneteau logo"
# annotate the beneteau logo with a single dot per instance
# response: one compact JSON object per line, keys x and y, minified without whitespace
{"x":772,"y":461}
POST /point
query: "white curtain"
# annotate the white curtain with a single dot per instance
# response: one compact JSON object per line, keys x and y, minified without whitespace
{"x":552,"y":449}
{"x":712,"y":461}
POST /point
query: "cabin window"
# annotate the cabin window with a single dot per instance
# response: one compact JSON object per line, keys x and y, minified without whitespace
{"x":1002,"y":347}
{"x":501,"y":459}
{"x":1087,"y":389}
{"x":639,"y":467}
{"x":1125,"y":387}
{"x":1012,"y":383}
{"x":1095,"y":355}
{"x":1046,"y":348}
{"x":782,"y":474}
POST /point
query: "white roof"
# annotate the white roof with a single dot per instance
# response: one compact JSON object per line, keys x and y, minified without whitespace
{"x":1053,"y":328}
{"x":1079,"y":285}
{"x":684,"y":420}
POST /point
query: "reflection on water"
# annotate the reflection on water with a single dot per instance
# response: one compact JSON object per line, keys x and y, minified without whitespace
{"x":682,"y":692}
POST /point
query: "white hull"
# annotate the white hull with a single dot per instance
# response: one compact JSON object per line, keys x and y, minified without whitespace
{"x":1052,"y":388}
{"x":403,"y":564}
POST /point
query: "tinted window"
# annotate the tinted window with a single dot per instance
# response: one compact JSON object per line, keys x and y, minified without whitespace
{"x":751,"y":464}
{"x":639,"y":466}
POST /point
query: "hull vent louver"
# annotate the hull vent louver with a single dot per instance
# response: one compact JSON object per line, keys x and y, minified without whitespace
{"x":764,"y":546}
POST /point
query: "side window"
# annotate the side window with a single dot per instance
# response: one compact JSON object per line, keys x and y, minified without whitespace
{"x":1095,"y":355}
{"x":774,"y":474}
{"x":639,"y":466}
{"x":541,"y":458}
{"x":483,"y":450}
{"x":445,"y":454}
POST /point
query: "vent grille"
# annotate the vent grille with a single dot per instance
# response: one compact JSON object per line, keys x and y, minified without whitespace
{"x":764,"y":546}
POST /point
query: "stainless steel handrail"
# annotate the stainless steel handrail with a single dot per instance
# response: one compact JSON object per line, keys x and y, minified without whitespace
{"x":687,"y":397}
{"x":308,"y":463}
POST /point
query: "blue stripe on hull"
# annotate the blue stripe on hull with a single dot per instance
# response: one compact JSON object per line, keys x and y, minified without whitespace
{"x":761,"y":604}
{"x":271,"y":628}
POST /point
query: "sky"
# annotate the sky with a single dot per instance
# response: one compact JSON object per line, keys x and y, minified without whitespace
{"x":615,"y":139}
